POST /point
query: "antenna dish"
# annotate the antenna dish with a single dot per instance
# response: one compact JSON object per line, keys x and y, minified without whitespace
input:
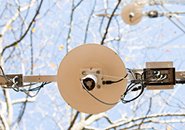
{"x":132,"y":14}
{"x":91,"y":63}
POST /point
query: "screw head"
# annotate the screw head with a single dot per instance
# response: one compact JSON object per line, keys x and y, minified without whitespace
{"x":98,"y":86}
{"x":98,"y":72}
{"x":83,"y":72}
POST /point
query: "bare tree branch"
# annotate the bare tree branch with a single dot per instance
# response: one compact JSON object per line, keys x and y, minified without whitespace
{"x":148,"y":111}
{"x":73,"y":121}
{"x":25,"y":33}
{"x":158,"y":121}
{"x":123,"y":123}
{"x":18,"y":101}
{"x":8,"y":105}
{"x":109,"y":22}
{"x":88,"y":22}
{"x":13,"y":44}
{"x":4,"y":122}
{"x":74,"y":7}
{"x":89,"y":121}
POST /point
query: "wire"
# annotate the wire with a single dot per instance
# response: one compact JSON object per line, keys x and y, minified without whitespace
{"x":108,"y":82}
{"x":36,"y":89}
{"x":99,"y":100}
{"x":105,"y":82}
{"x":133,"y":86}
{"x":142,"y":84}
{"x":134,"y":89}
{"x":16,"y":88}
{"x":132,"y":73}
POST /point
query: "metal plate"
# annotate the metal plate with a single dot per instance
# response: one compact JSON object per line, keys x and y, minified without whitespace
{"x":90,"y":56}
{"x":167,"y":64}
{"x":133,"y":10}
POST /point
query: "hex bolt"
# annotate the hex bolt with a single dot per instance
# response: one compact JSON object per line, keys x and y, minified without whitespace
{"x":97,"y":72}
{"x":83,"y":72}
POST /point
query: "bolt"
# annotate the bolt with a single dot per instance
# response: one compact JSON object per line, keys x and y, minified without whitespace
{"x":98,"y":86}
{"x":98,"y":72}
{"x":83,"y":72}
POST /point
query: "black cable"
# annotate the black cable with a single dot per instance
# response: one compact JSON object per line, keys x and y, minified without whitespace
{"x":108,"y":82}
{"x":103,"y":102}
{"x":131,"y":87}
{"x":17,"y":88}
{"x":180,"y":81}
{"x":36,"y":89}
{"x":127,"y":101}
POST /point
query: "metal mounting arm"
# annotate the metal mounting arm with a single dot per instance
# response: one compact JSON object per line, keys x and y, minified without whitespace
{"x":40,"y":78}
{"x":20,"y":79}
{"x":156,"y":75}
{"x":160,"y":75}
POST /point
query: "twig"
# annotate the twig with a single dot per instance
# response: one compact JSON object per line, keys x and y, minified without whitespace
{"x":109,"y":22}
{"x":25,"y":33}
{"x":74,"y":7}
{"x":30,"y":25}
{"x":122,"y":122}
{"x":148,"y":111}
{"x":4,"y":122}
{"x":73,"y":121}
{"x":18,"y":101}
{"x":88,"y":22}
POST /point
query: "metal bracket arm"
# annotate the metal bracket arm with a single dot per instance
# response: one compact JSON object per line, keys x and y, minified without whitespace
{"x":179,"y":79}
{"x":19,"y":79}
{"x":40,"y":78}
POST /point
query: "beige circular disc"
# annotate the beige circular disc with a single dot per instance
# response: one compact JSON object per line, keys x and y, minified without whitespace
{"x":132,"y":14}
{"x":84,"y":57}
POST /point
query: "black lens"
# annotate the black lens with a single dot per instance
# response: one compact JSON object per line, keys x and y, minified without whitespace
{"x":89,"y":84}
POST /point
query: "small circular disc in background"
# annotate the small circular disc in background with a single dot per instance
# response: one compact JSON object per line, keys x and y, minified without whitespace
{"x":90,"y":56}
{"x":132,"y":14}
